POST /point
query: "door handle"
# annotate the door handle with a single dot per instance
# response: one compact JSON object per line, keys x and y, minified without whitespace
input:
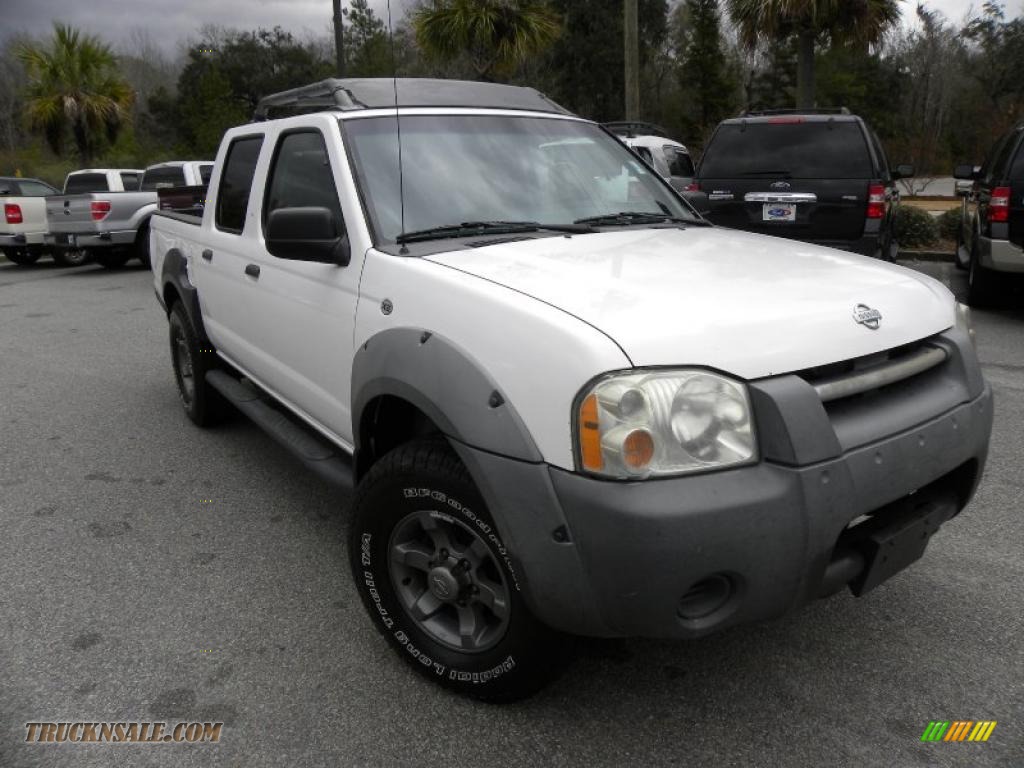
{"x":252,"y":270}
{"x":207,"y":254}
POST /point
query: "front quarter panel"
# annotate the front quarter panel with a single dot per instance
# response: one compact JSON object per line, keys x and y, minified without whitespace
{"x":536,"y":356}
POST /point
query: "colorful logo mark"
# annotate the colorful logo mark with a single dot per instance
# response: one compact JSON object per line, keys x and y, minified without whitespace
{"x":958,"y":730}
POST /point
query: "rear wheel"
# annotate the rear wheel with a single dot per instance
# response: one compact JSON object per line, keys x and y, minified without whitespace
{"x":70,"y":258}
{"x":142,"y":246}
{"x":191,"y":360}
{"x":22,"y":256}
{"x":438,"y":582}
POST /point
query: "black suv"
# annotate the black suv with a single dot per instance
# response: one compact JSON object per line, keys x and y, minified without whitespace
{"x":815,"y":175}
{"x":991,"y":237}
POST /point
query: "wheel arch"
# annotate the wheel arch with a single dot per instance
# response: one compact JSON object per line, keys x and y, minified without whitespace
{"x":407,"y":382}
{"x":178,"y":288}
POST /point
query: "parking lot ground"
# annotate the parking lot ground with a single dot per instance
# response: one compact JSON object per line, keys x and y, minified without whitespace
{"x":151,"y":571}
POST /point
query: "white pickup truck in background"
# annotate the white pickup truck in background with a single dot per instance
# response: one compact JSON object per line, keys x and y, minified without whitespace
{"x":104,"y":213}
{"x":23,"y":225}
{"x":564,"y":402}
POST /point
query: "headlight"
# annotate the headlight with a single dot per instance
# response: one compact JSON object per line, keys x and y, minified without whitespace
{"x":656,"y":423}
{"x":964,"y":322}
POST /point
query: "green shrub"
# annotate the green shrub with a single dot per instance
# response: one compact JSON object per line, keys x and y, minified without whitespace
{"x":915,"y":228}
{"x":949,"y":224}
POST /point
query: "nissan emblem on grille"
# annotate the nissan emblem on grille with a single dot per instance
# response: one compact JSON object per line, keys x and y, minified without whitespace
{"x":868,"y":317}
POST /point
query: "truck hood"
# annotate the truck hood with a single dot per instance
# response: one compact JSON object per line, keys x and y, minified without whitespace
{"x":746,"y":304}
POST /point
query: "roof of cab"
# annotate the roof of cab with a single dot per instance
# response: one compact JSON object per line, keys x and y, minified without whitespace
{"x":352,"y":94}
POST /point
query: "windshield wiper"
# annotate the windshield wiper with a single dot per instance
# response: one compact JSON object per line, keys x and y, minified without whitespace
{"x":629,"y":218}
{"x":469,"y":228}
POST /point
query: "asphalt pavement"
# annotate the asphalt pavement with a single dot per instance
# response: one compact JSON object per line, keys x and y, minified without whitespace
{"x":151,"y":571}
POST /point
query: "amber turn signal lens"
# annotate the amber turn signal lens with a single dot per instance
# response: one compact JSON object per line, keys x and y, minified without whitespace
{"x":638,"y":449}
{"x":590,"y":435}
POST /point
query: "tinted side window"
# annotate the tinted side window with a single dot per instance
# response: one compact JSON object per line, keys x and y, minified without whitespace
{"x":990,"y":159}
{"x":130,"y":181}
{"x":817,"y":149}
{"x":883,"y":161}
{"x":301,"y":176}
{"x":163,"y":178}
{"x":236,"y":182}
{"x":645,"y":153}
{"x":679,"y":163}
{"x":36,"y":189}
{"x":205,"y":172}
{"x":86,"y":182}
{"x":1001,"y":166}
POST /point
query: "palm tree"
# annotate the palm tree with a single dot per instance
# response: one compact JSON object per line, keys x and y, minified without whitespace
{"x":74,"y":86}
{"x":496,"y":35}
{"x":839,"y":21}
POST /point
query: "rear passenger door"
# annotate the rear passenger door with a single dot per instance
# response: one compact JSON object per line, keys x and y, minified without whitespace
{"x":218,"y":270}
{"x":304,"y":325}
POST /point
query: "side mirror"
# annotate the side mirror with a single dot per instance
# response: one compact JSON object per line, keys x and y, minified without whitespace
{"x":965,"y":172}
{"x":307,"y":234}
{"x":902,"y":172}
{"x":698,"y":200}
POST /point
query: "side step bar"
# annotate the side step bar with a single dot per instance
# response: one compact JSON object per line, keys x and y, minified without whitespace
{"x":318,"y":454}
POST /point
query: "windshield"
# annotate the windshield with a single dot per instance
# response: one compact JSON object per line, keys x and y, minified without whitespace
{"x":812,"y":150}
{"x":472,"y":168}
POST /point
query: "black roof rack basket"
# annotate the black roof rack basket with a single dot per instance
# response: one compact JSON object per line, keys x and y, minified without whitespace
{"x":326,"y":94}
{"x":357,"y":93}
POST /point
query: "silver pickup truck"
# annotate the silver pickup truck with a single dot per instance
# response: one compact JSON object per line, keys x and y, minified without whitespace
{"x":104,"y":213}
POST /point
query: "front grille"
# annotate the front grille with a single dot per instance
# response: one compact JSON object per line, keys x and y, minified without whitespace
{"x":850,"y":378}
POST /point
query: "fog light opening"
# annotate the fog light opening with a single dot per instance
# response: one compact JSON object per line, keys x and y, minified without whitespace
{"x":706,"y":597}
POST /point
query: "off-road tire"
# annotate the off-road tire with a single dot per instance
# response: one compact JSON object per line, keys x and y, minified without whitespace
{"x":424,"y":481}
{"x":142,"y":246}
{"x":190,"y":361}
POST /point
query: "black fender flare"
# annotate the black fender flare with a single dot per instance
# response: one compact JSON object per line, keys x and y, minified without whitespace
{"x":443,"y":381}
{"x":174,"y":274}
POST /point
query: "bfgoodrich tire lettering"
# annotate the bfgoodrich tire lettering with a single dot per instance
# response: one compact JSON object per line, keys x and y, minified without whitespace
{"x":419,"y":521}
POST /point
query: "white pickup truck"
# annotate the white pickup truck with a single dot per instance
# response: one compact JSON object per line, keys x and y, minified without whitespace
{"x":565,"y":403}
{"x":104,"y":213}
{"x":23,"y":226}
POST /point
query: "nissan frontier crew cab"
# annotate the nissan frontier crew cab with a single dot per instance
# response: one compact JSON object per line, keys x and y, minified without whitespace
{"x":566,"y":405}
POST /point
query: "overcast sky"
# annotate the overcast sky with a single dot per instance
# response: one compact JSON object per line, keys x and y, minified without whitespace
{"x":171,"y":21}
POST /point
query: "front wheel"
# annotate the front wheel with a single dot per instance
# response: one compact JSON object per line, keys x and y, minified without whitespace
{"x":438,"y":582}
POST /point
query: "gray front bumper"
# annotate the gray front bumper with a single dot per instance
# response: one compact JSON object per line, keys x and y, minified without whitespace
{"x":610,"y":558}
